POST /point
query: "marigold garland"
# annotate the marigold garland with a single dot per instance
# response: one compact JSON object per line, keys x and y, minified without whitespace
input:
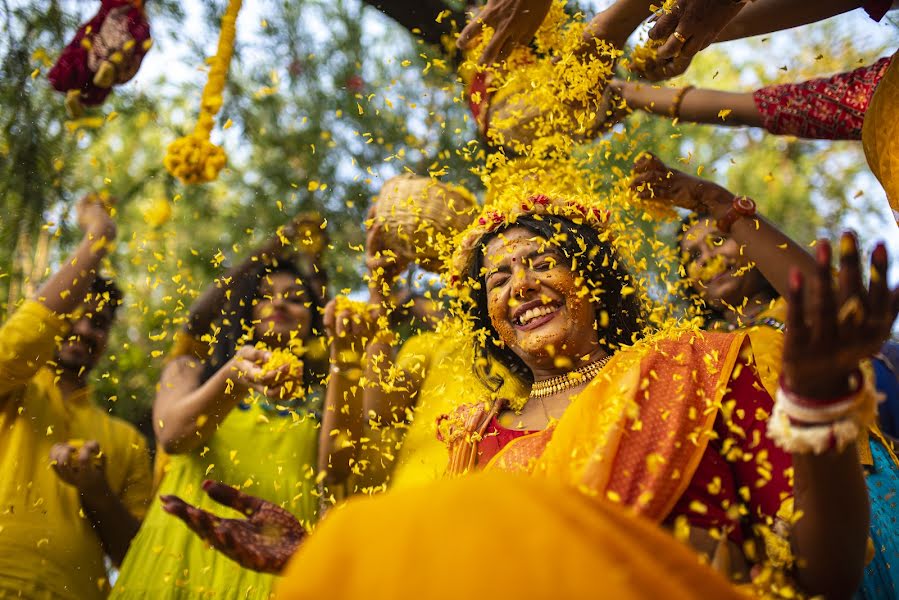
{"x":193,"y":158}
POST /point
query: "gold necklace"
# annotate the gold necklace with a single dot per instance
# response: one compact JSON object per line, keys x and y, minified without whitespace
{"x":560,"y":383}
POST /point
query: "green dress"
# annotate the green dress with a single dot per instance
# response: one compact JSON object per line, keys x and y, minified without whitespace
{"x":264,"y":453}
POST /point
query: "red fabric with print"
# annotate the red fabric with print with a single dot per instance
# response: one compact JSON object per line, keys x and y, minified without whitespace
{"x":831,"y":108}
{"x":742,"y":456}
{"x":495,"y":439}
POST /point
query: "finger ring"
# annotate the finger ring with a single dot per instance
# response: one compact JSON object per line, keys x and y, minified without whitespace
{"x":680,"y":37}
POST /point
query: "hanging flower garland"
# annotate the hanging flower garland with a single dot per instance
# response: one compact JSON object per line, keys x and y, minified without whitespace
{"x":193,"y":158}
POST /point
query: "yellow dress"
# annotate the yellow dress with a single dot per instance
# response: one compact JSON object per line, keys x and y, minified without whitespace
{"x":444,"y":360}
{"x":48,"y":549}
{"x":263,"y":453}
{"x":880,"y":134}
{"x":494,"y":535}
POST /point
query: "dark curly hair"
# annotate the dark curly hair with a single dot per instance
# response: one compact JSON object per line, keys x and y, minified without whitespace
{"x":603,"y":275}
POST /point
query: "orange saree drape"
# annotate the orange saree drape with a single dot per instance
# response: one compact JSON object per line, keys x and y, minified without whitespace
{"x":637,"y":432}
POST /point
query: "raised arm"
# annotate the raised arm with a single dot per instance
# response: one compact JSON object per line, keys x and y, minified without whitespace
{"x":342,"y":416}
{"x":28,"y":338}
{"x":693,"y":25}
{"x":823,"y":405}
{"x":773,"y":252}
{"x":767,"y":16}
{"x":187,"y":410}
{"x":65,"y":290}
{"x":388,"y":393}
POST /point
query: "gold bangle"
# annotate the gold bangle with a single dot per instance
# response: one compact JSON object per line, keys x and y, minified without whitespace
{"x":674,"y":111}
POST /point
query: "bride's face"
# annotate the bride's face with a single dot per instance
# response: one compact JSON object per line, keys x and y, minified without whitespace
{"x":540,"y":308}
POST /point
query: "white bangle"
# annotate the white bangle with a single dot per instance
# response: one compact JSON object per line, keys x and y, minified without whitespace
{"x":831,"y":426}
{"x":822,"y":413}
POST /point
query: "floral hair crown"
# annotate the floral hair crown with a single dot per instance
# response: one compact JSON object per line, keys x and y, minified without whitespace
{"x":493,"y":218}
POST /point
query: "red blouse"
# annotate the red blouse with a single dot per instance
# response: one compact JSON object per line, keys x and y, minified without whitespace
{"x":742,"y":477}
{"x":832,"y":108}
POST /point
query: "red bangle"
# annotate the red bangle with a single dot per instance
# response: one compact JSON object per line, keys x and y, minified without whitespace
{"x":741,"y":206}
{"x":856,"y":383}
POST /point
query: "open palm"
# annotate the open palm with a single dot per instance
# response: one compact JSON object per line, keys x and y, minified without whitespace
{"x":264,"y":541}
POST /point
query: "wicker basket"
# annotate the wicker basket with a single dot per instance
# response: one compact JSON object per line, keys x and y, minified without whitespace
{"x":516,"y":123}
{"x":421,"y":216}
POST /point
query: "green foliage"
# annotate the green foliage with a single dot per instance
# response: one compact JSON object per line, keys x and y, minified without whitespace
{"x":326,"y":99}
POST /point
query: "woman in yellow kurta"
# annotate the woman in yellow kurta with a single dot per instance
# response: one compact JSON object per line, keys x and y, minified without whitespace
{"x":235,"y":417}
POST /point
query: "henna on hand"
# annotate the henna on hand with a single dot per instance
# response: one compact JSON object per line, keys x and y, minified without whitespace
{"x":654,"y":180}
{"x":842,"y":325}
{"x":264,"y":541}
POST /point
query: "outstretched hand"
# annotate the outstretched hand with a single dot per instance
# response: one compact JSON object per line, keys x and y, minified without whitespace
{"x":514,"y":23}
{"x":264,"y":541}
{"x":827,"y":337}
{"x":691,"y":26}
{"x":654,"y":180}
{"x":82,"y":466}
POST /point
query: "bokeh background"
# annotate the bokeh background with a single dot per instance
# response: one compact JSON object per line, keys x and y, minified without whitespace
{"x":325,"y":101}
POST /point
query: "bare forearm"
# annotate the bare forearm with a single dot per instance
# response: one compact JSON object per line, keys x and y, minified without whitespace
{"x":67,"y":287}
{"x":114,"y":524}
{"x":831,"y":537}
{"x":341,"y":424}
{"x":184,"y":419}
{"x":696,"y":106}
{"x":767,"y":16}
{"x":773,"y":252}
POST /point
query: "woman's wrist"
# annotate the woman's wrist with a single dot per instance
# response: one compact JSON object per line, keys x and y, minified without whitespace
{"x":822,"y":389}
{"x":96,"y":243}
{"x":635,"y":96}
{"x":716,"y":200}
{"x":384,"y":337}
{"x":96,"y":497}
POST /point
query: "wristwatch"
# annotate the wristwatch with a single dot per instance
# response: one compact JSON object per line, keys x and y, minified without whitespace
{"x":742,"y":206}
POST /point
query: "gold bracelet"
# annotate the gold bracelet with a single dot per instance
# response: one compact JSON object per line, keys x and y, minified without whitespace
{"x":674,"y":111}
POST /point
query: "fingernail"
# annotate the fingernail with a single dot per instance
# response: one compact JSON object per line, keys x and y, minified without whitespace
{"x":823,"y":251}
{"x":880,"y":253}
{"x":795,"y":279}
{"x":208,"y":483}
{"x":847,"y":244}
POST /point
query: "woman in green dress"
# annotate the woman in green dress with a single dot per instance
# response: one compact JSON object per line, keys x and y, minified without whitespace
{"x":246,"y":415}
